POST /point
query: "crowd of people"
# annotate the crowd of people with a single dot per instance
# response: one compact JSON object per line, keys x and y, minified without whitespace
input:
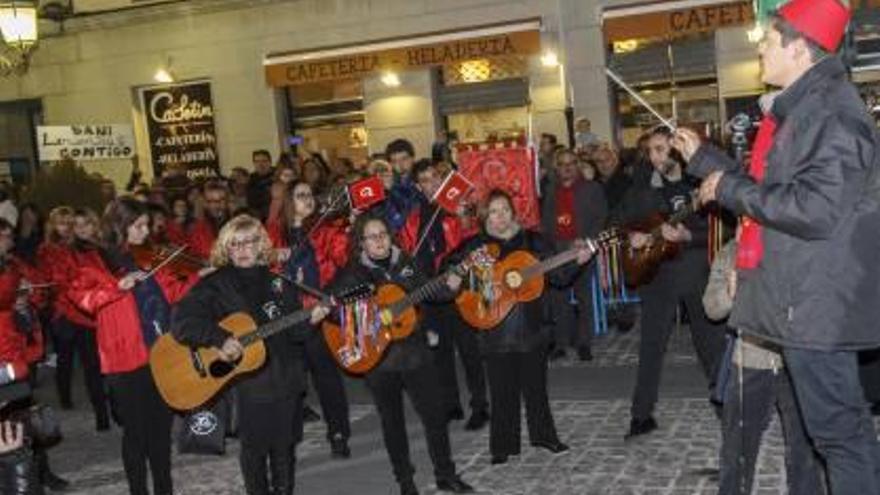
{"x":264,"y":241}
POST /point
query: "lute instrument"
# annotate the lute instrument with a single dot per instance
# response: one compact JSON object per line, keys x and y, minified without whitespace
{"x":358,"y":340}
{"x":189,"y":377}
{"x":517,"y":278}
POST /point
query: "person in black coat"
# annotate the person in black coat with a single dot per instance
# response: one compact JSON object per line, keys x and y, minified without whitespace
{"x":516,"y":350}
{"x":269,"y":398}
{"x":407,"y":364}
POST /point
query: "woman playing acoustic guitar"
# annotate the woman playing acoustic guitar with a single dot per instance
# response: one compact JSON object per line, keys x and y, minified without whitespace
{"x":269,"y":399}
{"x":516,"y":349}
{"x":407,"y":365}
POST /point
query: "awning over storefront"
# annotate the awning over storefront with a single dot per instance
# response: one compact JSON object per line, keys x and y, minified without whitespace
{"x":670,"y":19}
{"x":398,"y":54}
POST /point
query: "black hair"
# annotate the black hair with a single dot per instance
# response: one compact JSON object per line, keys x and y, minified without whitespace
{"x":265,"y":153}
{"x":788,"y":34}
{"x":419,"y":168}
{"x":399,"y":146}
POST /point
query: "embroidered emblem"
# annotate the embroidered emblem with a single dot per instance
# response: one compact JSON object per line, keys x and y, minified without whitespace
{"x":271,"y":310}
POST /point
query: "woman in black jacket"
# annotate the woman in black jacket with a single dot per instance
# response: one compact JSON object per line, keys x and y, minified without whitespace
{"x":269,"y":398}
{"x":407,"y":364}
{"x":516,"y":350}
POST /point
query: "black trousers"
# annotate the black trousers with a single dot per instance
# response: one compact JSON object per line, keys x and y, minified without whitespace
{"x":675,"y":283}
{"x":573,"y":324}
{"x":837,"y":417}
{"x":761,"y":391}
{"x":328,"y":383}
{"x":454,"y":335}
{"x":421,"y":385}
{"x":268,"y":432}
{"x":513,"y":375}
{"x":146,"y":430}
{"x":71,"y":338}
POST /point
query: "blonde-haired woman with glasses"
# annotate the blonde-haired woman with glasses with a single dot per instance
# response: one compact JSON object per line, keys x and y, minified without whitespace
{"x":269,"y":398}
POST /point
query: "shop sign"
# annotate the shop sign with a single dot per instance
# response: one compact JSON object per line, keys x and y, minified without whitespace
{"x":675,"y":23}
{"x":180,"y":127}
{"x":399,"y":59}
{"x":85,"y":142}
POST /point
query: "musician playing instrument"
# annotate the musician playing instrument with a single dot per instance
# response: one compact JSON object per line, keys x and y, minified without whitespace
{"x":681,"y":279}
{"x":269,"y":399}
{"x":407,"y":364}
{"x":516,"y":350}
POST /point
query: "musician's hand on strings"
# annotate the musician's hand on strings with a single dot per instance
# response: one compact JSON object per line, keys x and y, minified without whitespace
{"x":231,"y":350}
{"x":453,"y":281}
{"x":11,"y":436}
{"x":282,"y":255}
{"x":638,"y":240}
{"x":319,"y":312}
{"x":131,"y":279}
{"x":709,"y":187}
{"x":585,"y":252}
{"x":687,"y":142}
{"x":677,"y":233}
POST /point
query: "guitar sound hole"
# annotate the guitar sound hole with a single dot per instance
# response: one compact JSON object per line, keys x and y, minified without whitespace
{"x":220,"y":368}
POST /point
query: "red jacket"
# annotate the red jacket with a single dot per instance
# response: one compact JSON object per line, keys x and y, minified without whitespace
{"x":329,"y":241}
{"x":120,"y":343}
{"x":176,"y":233}
{"x":201,"y":238}
{"x":58,"y":264}
{"x":452,"y":234}
{"x":16,"y":347}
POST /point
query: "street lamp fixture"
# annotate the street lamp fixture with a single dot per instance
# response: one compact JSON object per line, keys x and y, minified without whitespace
{"x":18,"y":29}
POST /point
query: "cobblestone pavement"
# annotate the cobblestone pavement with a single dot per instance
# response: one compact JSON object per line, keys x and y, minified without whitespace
{"x":668,"y":462}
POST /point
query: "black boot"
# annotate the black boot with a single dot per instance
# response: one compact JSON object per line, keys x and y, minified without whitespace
{"x":408,"y":487}
{"x":102,"y":418}
{"x":48,"y":479}
{"x":283,"y":473}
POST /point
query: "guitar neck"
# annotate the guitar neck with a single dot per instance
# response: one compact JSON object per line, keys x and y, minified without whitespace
{"x":556,"y":261}
{"x":417,"y":296}
{"x":275,"y":326}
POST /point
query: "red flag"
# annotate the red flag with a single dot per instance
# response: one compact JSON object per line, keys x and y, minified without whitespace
{"x":366,"y":192}
{"x":453,"y":190}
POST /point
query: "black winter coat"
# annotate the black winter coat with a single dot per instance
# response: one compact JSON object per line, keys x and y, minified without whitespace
{"x":818,"y":284}
{"x":522,"y":329}
{"x":265,"y":297}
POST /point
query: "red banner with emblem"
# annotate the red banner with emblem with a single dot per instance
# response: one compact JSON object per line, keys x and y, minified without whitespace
{"x":511,"y":169}
{"x":366,"y":192}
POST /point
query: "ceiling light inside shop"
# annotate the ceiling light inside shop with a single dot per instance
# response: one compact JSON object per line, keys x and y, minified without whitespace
{"x":549,"y":59}
{"x":475,"y":70}
{"x":756,"y":34}
{"x":626,"y":46}
{"x":391,"y":79}
{"x":162,"y":75}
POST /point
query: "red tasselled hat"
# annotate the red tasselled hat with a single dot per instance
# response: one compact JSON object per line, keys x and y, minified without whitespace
{"x":822,"y":21}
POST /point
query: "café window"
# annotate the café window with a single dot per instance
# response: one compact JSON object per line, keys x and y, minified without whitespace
{"x":485,"y":99}
{"x":329,"y":117}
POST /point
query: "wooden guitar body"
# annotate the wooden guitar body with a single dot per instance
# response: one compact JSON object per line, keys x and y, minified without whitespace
{"x":366,"y":351}
{"x":641,"y":265}
{"x":188,"y":378}
{"x":510,"y":288}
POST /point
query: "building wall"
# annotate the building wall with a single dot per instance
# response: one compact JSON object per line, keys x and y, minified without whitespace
{"x":90,"y":74}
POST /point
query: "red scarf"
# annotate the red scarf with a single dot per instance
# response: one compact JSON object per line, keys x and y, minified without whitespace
{"x":751,"y":244}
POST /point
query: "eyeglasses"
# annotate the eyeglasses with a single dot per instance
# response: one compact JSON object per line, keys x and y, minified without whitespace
{"x":378,"y":237}
{"x":237,"y":245}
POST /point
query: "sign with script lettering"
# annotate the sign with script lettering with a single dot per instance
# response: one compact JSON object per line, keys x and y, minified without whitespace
{"x":180,"y":127}
{"x":85,"y":142}
{"x":289,"y":70}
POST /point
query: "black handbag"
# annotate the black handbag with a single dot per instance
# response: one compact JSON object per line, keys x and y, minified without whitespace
{"x":203,"y":431}
{"x":41,"y":425}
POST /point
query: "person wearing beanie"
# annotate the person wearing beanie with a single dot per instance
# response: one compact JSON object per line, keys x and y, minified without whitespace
{"x":806,"y":260}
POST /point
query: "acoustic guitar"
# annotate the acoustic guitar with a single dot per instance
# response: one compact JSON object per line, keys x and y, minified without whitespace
{"x":188,"y":377}
{"x":517,"y":278}
{"x":359,"y":343}
{"x":641,"y":265}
